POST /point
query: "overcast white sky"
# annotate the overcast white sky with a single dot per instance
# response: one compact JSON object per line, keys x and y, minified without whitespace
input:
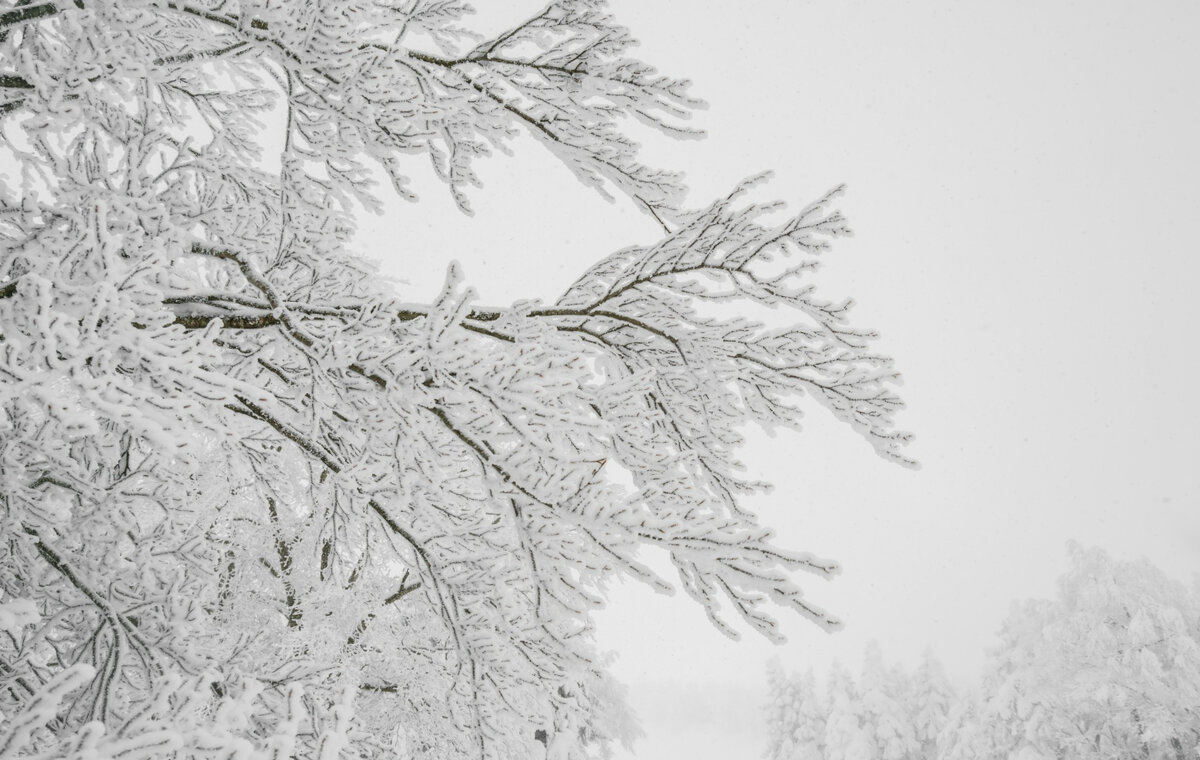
{"x":1024,"y":187}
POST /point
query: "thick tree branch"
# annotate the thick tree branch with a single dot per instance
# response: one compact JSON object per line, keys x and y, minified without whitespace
{"x":25,"y":13}
{"x":15,"y":82}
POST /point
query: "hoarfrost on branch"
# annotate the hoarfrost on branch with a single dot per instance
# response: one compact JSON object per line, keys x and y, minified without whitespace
{"x":253,"y":502}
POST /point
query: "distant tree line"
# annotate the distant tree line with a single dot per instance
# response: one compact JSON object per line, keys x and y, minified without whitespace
{"x":1110,"y":670}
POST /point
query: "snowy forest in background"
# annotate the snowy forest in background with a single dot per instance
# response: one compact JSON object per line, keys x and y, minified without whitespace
{"x":1108,"y":669}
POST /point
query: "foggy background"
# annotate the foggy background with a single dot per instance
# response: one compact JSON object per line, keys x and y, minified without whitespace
{"x":1023,"y":186}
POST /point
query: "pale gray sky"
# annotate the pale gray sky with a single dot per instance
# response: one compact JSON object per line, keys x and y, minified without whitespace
{"x":1023,"y":184}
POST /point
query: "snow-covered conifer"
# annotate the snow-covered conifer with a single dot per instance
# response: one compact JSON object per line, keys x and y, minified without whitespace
{"x":1111,"y":668}
{"x":962,"y":737}
{"x":795,"y":717}
{"x":846,"y":734}
{"x":780,"y":711}
{"x":932,"y":699}
{"x":885,"y":713}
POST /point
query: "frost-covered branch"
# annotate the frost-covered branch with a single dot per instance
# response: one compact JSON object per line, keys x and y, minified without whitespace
{"x":263,"y":504}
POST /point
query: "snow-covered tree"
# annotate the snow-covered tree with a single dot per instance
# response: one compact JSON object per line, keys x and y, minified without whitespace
{"x":846,"y":735}
{"x":932,"y":700}
{"x":1110,"y":669}
{"x":782,"y":709}
{"x":795,"y":716}
{"x":255,"y":504}
{"x":886,"y":708}
{"x":962,"y":737}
